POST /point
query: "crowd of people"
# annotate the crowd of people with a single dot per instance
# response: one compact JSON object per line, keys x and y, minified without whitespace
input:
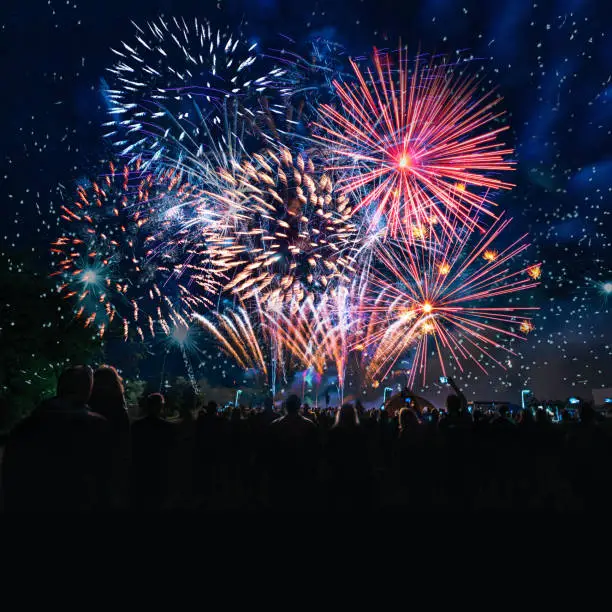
{"x":79,"y":451}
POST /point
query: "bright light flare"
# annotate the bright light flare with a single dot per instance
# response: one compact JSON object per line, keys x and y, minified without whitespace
{"x":89,"y":277}
{"x":490,"y":255}
{"x":180,"y":334}
{"x":404,"y":162}
{"x":535,"y":272}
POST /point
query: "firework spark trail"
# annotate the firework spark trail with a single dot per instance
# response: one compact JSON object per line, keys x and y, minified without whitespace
{"x":299,"y":333}
{"x":318,"y":334}
{"x":308,"y":72}
{"x":209,"y":148}
{"x":284,"y":115}
{"x":237,"y":337}
{"x":425,"y":294}
{"x":187,"y":230}
{"x":339,"y":328}
{"x":417,"y":142}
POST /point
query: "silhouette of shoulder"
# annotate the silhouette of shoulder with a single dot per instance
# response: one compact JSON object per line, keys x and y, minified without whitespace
{"x":152,"y":423}
{"x":293,"y":428}
{"x":298,"y":420}
{"x":96,"y":418}
{"x":58,"y":457}
{"x":52,"y":413}
{"x":149,"y":426}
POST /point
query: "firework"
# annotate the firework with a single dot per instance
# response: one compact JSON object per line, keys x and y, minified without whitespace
{"x":290,"y":236}
{"x":442,"y":299}
{"x":359,"y":247}
{"x":414,"y":145}
{"x":169,"y":83}
{"x":101,"y":261}
{"x":277,"y":343}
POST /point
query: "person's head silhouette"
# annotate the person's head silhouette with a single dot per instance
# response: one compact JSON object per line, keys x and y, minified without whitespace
{"x":154,"y":405}
{"x":541,"y":416}
{"x":587,"y":414}
{"x":107,"y":382}
{"x":75,"y":384}
{"x":453,"y":404}
{"x":526,"y":416}
{"x":407,"y":419}
{"x":292,"y":405}
{"x":347,"y":416}
{"x":268,"y":404}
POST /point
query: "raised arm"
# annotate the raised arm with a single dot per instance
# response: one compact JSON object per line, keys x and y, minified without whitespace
{"x":459,"y":393}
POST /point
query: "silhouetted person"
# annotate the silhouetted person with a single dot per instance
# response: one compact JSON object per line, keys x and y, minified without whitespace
{"x":59,"y":458}
{"x":456,"y":431}
{"x":588,"y":459}
{"x":411,"y":465}
{"x":188,"y":405}
{"x":526,"y":456}
{"x":108,"y":400}
{"x":267,"y":415}
{"x":457,"y":414}
{"x":347,"y":455}
{"x":504,"y":455}
{"x":152,"y":442}
{"x":208,"y":429}
{"x":237,"y":454}
{"x":292,"y":456}
{"x":547,"y":439}
{"x":309,"y":414}
{"x":210,"y":441}
{"x":261,"y":423}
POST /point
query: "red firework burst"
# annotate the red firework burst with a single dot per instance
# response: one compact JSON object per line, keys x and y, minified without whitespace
{"x":439,"y":298}
{"x":416,"y":144}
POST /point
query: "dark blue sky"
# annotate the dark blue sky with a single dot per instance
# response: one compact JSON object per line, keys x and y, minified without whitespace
{"x":552,"y":62}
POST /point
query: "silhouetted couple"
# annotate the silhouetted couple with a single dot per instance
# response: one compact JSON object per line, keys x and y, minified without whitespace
{"x":73,"y":451}
{"x":60,"y":457}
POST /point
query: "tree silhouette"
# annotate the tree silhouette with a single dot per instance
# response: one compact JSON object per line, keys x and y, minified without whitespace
{"x":38,"y":335}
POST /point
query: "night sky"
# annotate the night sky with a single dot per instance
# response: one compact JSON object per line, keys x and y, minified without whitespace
{"x":551,"y":61}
